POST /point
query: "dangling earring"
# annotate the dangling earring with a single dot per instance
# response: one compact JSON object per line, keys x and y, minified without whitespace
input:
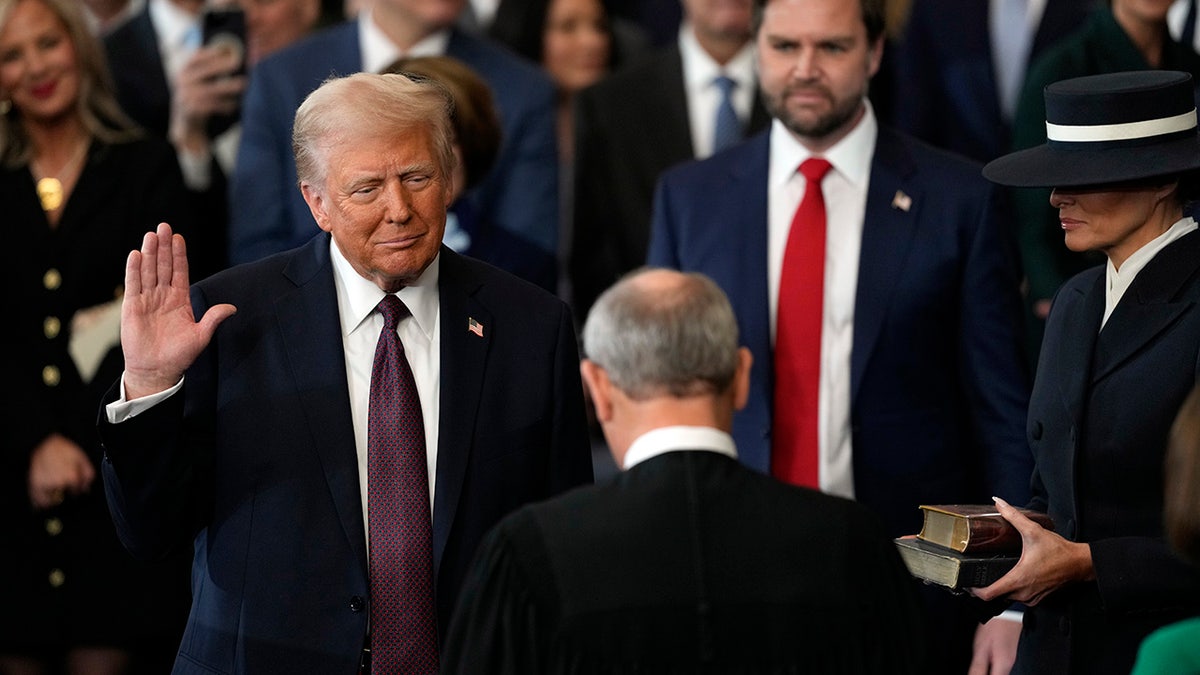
{"x":5,"y":106}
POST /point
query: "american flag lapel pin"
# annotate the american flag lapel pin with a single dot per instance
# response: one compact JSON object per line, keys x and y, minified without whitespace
{"x":474,"y":326}
{"x":902,"y":201}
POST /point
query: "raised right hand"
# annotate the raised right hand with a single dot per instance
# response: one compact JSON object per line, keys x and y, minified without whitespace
{"x":160,"y":336}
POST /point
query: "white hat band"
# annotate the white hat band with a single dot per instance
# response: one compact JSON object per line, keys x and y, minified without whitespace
{"x":1121,"y":132}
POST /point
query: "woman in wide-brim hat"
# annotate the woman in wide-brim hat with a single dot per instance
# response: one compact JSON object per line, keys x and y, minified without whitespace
{"x":1120,"y":354}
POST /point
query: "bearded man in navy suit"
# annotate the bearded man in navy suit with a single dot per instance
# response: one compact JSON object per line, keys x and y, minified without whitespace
{"x":922,"y":383}
{"x":246,"y":433}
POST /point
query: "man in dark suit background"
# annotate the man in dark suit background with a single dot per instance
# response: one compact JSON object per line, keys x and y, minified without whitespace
{"x":920,"y":390}
{"x":643,"y":119}
{"x":263,"y":451}
{"x":688,"y":562}
{"x":963,"y":63}
{"x":520,"y":193}
{"x":187,"y":93}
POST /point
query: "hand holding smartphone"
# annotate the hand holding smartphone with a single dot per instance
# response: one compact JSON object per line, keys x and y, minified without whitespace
{"x":224,"y":28}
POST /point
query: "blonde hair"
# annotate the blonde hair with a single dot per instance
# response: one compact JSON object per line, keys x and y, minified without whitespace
{"x":96,"y":105}
{"x":367,"y":105}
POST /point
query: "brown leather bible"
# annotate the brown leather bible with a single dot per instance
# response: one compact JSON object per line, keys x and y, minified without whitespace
{"x":974,"y":528}
{"x":956,"y":571}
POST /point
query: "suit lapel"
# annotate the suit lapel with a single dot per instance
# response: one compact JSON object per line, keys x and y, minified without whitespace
{"x":759,"y":117}
{"x":886,"y":241}
{"x":981,"y":90}
{"x":669,"y":92}
{"x":1084,"y":306}
{"x":464,"y":357}
{"x":316,"y":356}
{"x":151,"y":82}
{"x":745,"y":282}
{"x":1149,"y":306}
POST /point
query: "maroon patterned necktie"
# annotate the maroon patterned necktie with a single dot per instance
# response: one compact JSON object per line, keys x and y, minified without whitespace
{"x":403,"y":620}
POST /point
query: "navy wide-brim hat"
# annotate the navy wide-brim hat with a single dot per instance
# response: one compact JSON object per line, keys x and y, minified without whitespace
{"x":1110,"y":128}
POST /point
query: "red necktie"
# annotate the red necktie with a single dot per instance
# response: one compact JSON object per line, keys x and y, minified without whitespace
{"x":403,"y":620}
{"x":794,"y":448}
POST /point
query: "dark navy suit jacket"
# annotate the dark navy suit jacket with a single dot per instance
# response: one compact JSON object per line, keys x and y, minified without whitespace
{"x":945,"y":79}
{"x":256,"y":459}
{"x":519,"y":194}
{"x":629,"y":129}
{"x":939,"y":385}
{"x":137,"y":70}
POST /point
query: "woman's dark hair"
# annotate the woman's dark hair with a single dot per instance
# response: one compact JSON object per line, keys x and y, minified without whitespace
{"x":476,"y":124}
{"x":520,"y":25}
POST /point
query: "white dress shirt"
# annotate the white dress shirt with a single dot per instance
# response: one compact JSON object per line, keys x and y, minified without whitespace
{"x":178,"y":33}
{"x":845,"y":192}
{"x":703,"y":96}
{"x":361,"y":325}
{"x":1011,"y":46}
{"x":378,"y":51}
{"x":1117,"y":282}
{"x":1176,"y":18}
{"x":484,"y":11}
{"x":677,"y":439}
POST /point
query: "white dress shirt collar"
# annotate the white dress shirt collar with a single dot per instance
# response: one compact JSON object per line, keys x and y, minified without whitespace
{"x":485,"y":11}
{"x":850,"y":157}
{"x":378,"y":51}
{"x":699,"y":68}
{"x":178,"y":34}
{"x":359,"y":296}
{"x":702,"y":94}
{"x":1117,"y":282}
{"x":676,"y":439}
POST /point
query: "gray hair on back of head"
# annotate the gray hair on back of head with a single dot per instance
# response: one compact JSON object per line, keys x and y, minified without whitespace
{"x":368,"y":106}
{"x":678,"y":339}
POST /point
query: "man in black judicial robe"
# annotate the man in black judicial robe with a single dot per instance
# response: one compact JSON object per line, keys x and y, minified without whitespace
{"x":687,"y":562}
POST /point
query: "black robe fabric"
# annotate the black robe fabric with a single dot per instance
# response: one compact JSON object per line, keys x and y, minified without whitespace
{"x":687,"y":563}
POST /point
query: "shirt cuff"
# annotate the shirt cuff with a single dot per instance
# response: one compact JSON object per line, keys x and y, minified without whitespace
{"x":196,"y":168}
{"x":121,"y":410}
{"x":1012,"y":615}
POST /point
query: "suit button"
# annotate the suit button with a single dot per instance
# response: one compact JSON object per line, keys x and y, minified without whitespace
{"x":51,"y":280}
{"x":1036,"y":432}
{"x":357,"y":604}
{"x":51,"y":327}
{"x":51,"y":376}
{"x":57,"y":578}
{"x":1064,"y":625}
{"x":54,"y":527}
